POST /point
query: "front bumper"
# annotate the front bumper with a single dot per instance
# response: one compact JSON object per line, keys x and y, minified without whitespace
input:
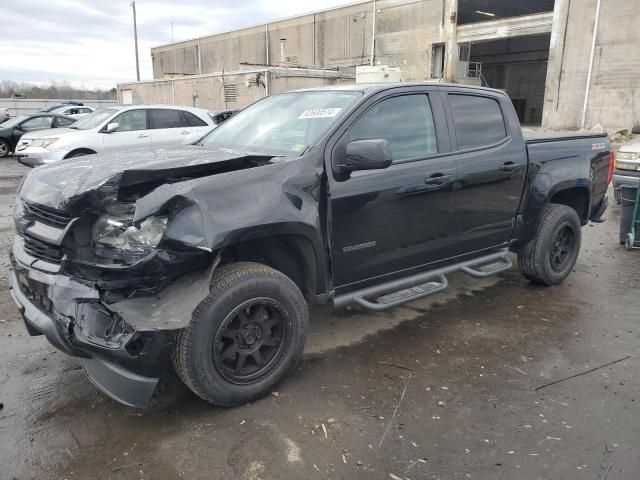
{"x":625,"y":177}
{"x":123,"y":363}
{"x":34,"y":157}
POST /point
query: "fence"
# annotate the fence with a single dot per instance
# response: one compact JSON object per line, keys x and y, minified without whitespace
{"x":25,"y":106}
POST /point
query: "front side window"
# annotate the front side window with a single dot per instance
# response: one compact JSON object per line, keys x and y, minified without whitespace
{"x":166,"y":119}
{"x":287,"y":123}
{"x":37,"y":123}
{"x":406,"y":122}
{"x":478,"y":120}
{"x":131,"y":121}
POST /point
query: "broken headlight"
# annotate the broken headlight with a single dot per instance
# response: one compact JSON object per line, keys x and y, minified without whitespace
{"x":117,"y":231}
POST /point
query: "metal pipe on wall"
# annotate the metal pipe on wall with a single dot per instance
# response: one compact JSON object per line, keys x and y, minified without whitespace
{"x":266,"y":43}
{"x":596,"y":23}
{"x":373,"y":34}
{"x":451,"y":41}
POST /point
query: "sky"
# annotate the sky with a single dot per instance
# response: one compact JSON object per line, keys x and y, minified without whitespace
{"x":89,"y":43}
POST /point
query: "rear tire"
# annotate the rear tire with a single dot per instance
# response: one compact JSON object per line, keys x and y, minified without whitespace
{"x":5,"y":150}
{"x":244,"y":337}
{"x":549,"y":258}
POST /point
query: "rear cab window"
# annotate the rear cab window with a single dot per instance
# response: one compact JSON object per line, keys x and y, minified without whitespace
{"x":478,"y":121}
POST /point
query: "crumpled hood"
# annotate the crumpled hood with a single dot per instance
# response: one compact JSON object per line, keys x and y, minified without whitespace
{"x":109,"y":177}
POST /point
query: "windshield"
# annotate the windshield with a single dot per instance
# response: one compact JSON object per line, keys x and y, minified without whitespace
{"x":94,"y":119}
{"x":286,"y":123}
{"x":12,"y":122}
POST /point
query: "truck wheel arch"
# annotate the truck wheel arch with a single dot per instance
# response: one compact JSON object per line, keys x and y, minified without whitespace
{"x":576,"y":198}
{"x":291,"y":254}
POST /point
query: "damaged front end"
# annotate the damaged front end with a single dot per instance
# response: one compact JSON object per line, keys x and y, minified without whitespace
{"x":104,"y":282}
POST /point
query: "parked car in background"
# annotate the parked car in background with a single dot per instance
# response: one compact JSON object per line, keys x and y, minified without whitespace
{"x":74,"y":111}
{"x":117,"y":128}
{"x":627,"y":167}
{"x":221,"y":116}
{"x":60,"y":105}
{"x":12,"y":130}
{"x":4,"y":114}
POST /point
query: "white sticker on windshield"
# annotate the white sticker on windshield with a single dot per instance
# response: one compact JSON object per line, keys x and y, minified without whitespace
{"x":320,"y":113}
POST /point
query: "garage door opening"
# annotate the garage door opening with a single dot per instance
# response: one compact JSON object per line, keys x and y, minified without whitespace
{"x":518,"y":66}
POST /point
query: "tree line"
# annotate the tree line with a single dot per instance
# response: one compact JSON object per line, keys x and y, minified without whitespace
{"x":61,"y":90}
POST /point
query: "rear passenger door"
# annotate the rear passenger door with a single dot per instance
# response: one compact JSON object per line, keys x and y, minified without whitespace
{"x":389,"y":221}
{"x":491,"y":164}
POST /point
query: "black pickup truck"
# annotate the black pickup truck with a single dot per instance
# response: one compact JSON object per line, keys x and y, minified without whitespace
{"x":207,"y":256}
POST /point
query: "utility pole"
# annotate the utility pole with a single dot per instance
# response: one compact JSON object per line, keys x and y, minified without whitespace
{"x":171,"y":32}
{"x":135,"y":36}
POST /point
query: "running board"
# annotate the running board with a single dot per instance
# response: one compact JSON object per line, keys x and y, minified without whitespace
{"x":398,"y":292}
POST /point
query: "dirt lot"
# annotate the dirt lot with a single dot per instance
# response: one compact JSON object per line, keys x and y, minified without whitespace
{"x":440,"y":389}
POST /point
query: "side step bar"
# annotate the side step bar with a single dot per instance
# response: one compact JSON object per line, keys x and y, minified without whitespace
{"x":398,"y":292}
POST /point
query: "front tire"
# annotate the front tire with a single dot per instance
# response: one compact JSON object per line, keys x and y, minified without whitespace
{"x":244,"y":337}
{"x":549,"y":258}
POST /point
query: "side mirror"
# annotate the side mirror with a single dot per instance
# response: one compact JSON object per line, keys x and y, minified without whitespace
{"x":636,"y":130}
{"x":112,"y":127}
{"x":367,"y":155}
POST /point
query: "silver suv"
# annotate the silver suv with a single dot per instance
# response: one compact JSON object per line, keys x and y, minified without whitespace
{"x":117,"y":128}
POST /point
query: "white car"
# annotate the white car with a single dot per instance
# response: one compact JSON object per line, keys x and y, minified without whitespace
{"x":111,"y":129}
{"x":74,"y":111}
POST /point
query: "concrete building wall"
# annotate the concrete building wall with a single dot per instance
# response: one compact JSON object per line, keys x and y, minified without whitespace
{"x":405,"y":31}
{"x":614,"y":95}
{"x":208,"y":91}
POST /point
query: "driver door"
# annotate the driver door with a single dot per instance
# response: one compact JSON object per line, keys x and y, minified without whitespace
{"x":398,"y":219}
{"x":132,"y":133}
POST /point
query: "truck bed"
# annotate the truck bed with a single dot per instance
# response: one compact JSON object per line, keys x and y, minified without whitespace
{"x":531,"y":137}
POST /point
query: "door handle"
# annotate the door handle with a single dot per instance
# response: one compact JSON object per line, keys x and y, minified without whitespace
{"x":185,"y":133}
{"x":510,"y":167}
{"x":438,"y":180}
{"x":143,"y":135}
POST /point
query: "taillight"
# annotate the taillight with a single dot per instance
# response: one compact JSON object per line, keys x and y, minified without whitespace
{"x":612,"y":162}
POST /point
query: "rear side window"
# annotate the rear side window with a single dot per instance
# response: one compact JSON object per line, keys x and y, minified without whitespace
{"x":192,"y":121}
{"x":406,"y":122}
{"x":166,"y":119}
{"x":36,"y":123}
{"x":478,"y":120}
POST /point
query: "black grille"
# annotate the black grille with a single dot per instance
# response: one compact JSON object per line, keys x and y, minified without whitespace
{"x":42,"y":251}
{"x":48,"y":216}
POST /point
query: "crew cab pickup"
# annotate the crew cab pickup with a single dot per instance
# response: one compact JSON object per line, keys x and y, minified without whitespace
{"x":207,"y":256}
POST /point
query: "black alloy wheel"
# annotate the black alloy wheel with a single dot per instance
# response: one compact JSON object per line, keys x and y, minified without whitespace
{"x":563,"y":245}
{"x":251,"y":340}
